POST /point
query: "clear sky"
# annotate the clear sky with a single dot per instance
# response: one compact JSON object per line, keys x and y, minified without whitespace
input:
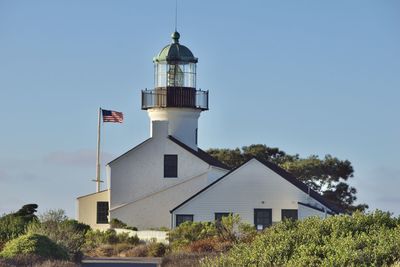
{"x":309,"y":77}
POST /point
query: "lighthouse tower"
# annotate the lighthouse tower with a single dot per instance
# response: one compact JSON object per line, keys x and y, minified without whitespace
{"x":175,"y":99}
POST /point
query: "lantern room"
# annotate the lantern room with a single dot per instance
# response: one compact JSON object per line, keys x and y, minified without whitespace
{"x":175,"y":79}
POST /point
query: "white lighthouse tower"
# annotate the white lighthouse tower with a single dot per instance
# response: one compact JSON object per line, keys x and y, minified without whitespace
{"x":175,"y":99}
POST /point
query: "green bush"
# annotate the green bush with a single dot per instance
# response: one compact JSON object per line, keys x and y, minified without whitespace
{"x":96,"y":238}
{"x":188,"y":232}
{"x":14,"y":224}
{"x":67,"y":233}
{"x":33,"y":244}
{"x":358,"y":240}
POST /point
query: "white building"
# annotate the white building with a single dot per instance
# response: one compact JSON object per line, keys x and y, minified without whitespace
{"x":167,"y":179}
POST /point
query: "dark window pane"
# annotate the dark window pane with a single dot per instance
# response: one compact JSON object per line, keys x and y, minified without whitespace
{"x":170,"y":165}
{"x":219,"y":215}
{"x":102,"y":212}
{"x":262,"y":218}
{"x":183,"y":218}
{"x":289,"y":214}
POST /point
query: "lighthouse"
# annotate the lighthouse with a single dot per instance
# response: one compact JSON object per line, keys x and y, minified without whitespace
{"x":175,"y":99}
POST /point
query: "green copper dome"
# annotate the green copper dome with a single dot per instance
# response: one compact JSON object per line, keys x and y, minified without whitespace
{"x":175,"y":52}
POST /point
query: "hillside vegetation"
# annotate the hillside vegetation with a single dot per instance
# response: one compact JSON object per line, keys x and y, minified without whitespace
{"x":358,"y":240}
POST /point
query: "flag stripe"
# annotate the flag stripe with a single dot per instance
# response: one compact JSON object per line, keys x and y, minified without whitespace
{"x":112,"y":116}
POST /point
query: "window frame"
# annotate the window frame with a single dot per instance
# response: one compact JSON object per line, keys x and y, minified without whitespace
{"x":187,"y":215}
{"x":255,"y":218}
{"x":289,"y":217}
{"x":100,"y":213}
{"x":167,"y":168}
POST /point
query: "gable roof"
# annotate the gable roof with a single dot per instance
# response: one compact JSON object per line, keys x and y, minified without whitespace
{"x":281,"y":172}
{"x":145,"y":141}
{"x":201,"y":154}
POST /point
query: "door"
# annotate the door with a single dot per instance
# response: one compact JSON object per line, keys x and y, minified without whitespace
{"x":262,"y":218}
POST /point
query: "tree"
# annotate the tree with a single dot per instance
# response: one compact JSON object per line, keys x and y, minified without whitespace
{"x":328,"y":176}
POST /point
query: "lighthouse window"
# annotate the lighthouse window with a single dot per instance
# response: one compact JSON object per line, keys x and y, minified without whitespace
{"x":170,"y":166}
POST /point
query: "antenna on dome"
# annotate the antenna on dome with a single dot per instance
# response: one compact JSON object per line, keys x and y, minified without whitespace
{"x":176,"y":15}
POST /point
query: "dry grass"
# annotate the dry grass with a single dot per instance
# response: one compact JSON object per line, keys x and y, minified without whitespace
{"x":115,"y":250}
{"x":185,"y":259}
{"x":34,"y":261}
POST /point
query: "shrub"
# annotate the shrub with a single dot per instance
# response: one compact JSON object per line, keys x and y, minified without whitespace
{"x":33,"y":244}
{"x":115,"y":223}
{"x":204,"y":245}
{"x":357,"y":240}
{"x":188,"y":232}
{"x":67,"y":233}
{"x":14,"y":224}
{"x":184,"y":259}
{"x":156,"y":249}
{"x":96,"y":238}
{"x":138,"y":251}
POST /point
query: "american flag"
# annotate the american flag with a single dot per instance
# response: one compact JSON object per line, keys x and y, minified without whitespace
{"x":112,"y":116}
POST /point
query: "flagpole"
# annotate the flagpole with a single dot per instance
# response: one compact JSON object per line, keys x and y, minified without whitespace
{"x":98,"y":153}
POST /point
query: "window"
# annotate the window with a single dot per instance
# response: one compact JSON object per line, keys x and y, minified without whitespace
{"x":170,"y":166}
{"x":102,"y":212}
{"x":289,"y":214}
{"x":181,"y":218}
{"x":262,"y":218}
{"x":219,"y":215}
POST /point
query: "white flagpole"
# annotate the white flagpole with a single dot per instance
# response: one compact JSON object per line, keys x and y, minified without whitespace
{"x":98,"y":154}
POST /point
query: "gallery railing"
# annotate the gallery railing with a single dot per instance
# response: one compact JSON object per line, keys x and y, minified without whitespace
{"x":181,"y":97}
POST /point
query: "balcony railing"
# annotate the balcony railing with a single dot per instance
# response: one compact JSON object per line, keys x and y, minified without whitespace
{"x":179,"y":97}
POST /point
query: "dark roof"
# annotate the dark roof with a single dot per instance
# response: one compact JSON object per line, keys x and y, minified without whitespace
{"x":281,"y":172}
{"x":129,"y":151}
{"x":200,"y":154}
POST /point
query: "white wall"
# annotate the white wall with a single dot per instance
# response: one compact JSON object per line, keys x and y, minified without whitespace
{"x":252,"y":186}
{"x":153,"y":211}
{"x":305,"y":212}
{"x":182,"y":123}
{"x":141,"y":196}
{"x":141,"y":171}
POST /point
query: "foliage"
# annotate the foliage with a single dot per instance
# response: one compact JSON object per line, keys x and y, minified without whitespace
{"x":57,"y":215}
{"x":14,"y":224}
{"x":183,"y":259}
{"x":115,"y":223}
{"x":188,"y":232}
{"x":328,"y":176}
{"x":33,"y":244}
{"x":156,"y":249}
{"x":96,"y":238}
{"x":227,"y":228}
{"x":35,"y":261}
{"x":358,"y":240}
{"x":68,"y":233}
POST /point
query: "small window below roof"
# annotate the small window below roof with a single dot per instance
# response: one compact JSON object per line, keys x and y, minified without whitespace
{"x":170,"y":166}
{"x":181,"y":218}
{"x":291,"y":214}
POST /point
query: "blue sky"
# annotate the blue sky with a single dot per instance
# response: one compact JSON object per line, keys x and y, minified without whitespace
{"x":309,"y":77}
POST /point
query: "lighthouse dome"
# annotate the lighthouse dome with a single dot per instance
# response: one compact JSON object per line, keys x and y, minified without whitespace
{"x":175,"y":52}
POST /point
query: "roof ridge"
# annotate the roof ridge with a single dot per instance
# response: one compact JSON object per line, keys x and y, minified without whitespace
{"x":281,"y":172}
{"x":201,"y":154}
